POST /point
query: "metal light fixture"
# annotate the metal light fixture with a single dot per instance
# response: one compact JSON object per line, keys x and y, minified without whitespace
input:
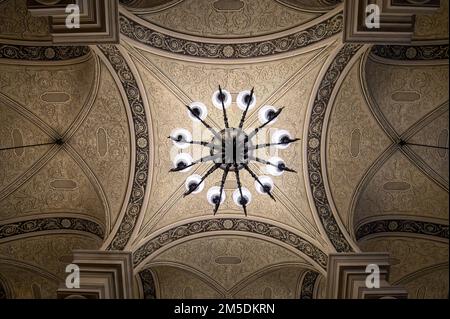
{"x":231,"y":150}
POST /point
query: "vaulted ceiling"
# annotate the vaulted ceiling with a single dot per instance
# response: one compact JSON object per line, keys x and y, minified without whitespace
{"x":107,"y":186}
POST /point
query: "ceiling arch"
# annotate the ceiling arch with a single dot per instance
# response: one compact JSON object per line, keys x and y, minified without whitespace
{"x":149,"y":36}
{"x":306,"y":248}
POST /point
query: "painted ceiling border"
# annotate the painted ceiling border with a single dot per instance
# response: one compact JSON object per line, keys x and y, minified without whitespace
{"x":388,"y":226}
{"x":134,"y":97}
{"x":161,"y":41}
{"x":60,"y":224}
{"x":259,"y":228}
{"x":322,"y":99}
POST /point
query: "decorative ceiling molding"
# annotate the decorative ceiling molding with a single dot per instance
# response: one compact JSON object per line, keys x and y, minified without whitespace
{"x":148,"y":284}
{"x":103,"y":275}
{"x":148,"y":6}
{"x":98,"y":20}
{"x":308,"y":283}
{"x":311,"y":5}
{"x":421,"y":272}
{"x":347,"y":275}
{"x":141,"y":33}
{"x":405,"y":226}
{"x":411,"y":53}
{"x":315,"y":139}
{"x":42,"y":53}
{"x":397,"y":20}
{"x":247,"y":226}
{"x":142,"y":143}
{"x":57,"y":224}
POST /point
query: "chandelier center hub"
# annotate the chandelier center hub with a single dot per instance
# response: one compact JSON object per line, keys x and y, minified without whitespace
{"x":233,"y":149}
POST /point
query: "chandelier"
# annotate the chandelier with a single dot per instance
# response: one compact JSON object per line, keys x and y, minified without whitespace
{"x":232,"y":149}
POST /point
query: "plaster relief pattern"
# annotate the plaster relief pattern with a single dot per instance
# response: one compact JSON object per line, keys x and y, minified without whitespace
{"x":27,"y":85}
{"x":22,"y":281}
{"x":210,"y":18}
{"x":432,"y":26}
{"x":435,"y":133}
{"x":104,"y":142}
{"x":17,"y":23}
{"x":15,"y":163}
{"x":410,"y":254}
{"x":282,"y":283}
{"x":400,"y":188}
{"x":349,"y":155}
{"x":430,"y":82}
{"x":203,"y":254}
{"x":48,"y":251}
{"x":181,"y":284}
{"x":37,"y":195}
{"x":432,"y":285}
{"x":154,"y":39}
{"x":197,"y":82}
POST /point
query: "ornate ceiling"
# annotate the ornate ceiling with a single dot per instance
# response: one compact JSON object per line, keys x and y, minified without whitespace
{"x":107,"y":187}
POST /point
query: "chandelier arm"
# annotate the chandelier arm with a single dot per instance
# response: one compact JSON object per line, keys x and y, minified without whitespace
{"x":257,"y":179}
{"x":224,"y":111}
{"x":241,"y":124}
{"x":427,"y":146}
{"x":256,"y":130}
{"x":203,"y":159}
{"x":209,"y":172}
{"x":28,"y":146}
{"x":202,"y":143}
{"x":238,"y":180}
{"x":263,"y":161}
{"x":222,"y":184}
{"x":273,"y":144}
{"x":213,"y":131}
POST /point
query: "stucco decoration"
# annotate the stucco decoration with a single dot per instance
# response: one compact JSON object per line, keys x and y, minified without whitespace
{"x":276,"y":284}
{"x":41,"y":53}
{"x":55,"y":249}
{"x":315,"y":140}
{"x":23,"y":279}
{"x":354,"y":140}
{"x":432,"y":26}
{"x":170,"y":84}
{"x":406,"y":93}
{"x":229,"y":259}
{"x":411,"y":53}
{"x":308,"y":284}
{"x":139,"y":32}
{"x":68,"y":224}
{"x":428,"y":283}
{"x":16,"y":23}
{"x":312,"y":5}
{"x":229,"y":18}
{"x":210,"y":226}
{"x":402,"y":226}
{"x":407,"y":255}
{"x":176,"y":283}
{"x":141,"y":136}
{"x":148,"y":284}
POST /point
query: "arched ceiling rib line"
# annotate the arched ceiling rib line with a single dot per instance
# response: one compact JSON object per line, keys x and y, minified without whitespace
{"x":308,"y":284}
{"x":138,"y":31}
{"x":56,"y":224}
{"x":384,"y":226}
{"x":408,"y":133}
{"x":42,"y":53}
{"x":314,"y":141}
{"x":198,"y":273}
{"x":142,"y":143}
{"x":236,"y":225}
